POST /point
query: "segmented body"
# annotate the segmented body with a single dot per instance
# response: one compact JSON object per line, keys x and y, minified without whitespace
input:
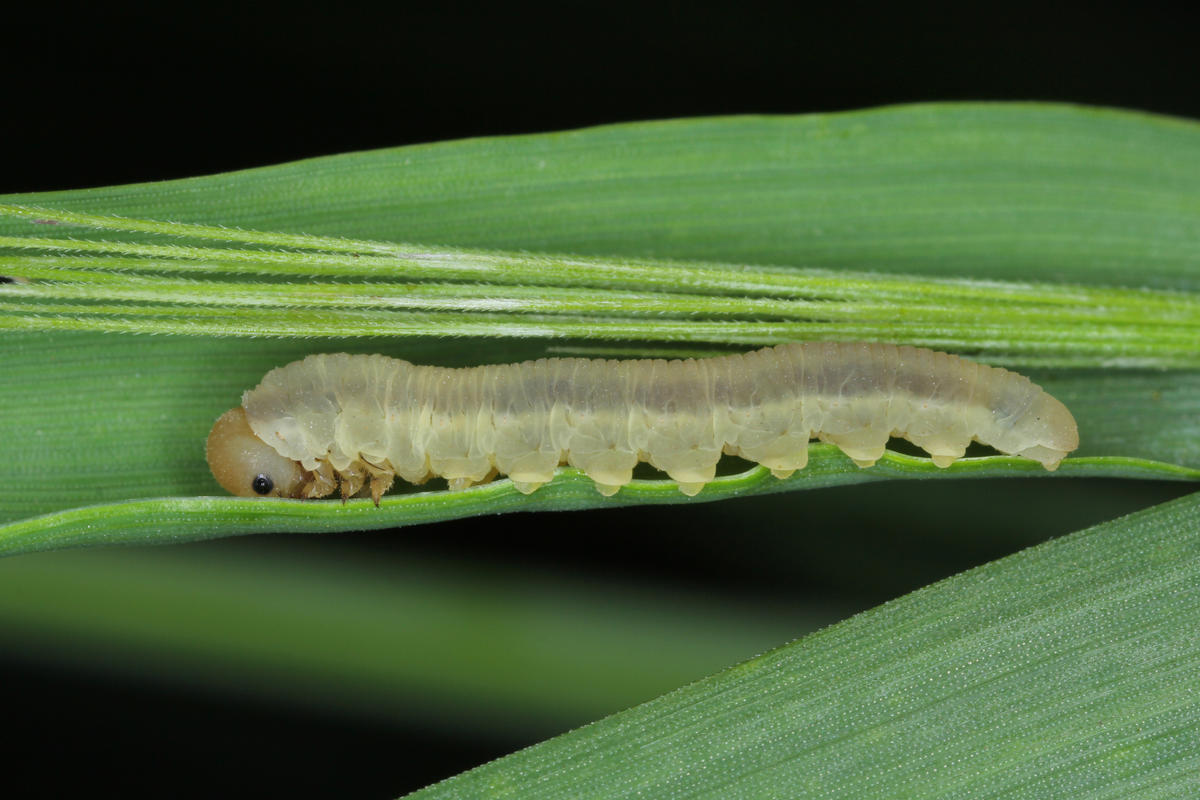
{"x":353,"y":419}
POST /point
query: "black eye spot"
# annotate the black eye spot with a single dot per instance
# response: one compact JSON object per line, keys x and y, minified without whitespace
{"x":262,"y":484}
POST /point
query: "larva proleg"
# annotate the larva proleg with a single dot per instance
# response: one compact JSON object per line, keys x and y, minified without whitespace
{"x":353,"y":423}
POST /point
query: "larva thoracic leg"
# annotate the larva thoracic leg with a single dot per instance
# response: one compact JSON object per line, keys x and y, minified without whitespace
{"x":352,"y":424}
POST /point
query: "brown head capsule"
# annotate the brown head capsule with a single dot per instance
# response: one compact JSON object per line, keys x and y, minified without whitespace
{"x":245,"y":465}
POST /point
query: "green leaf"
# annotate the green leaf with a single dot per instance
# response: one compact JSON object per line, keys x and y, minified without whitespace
{"x":1010,"y":191}
{"x":1067,"y":670}
{"x":138,"y":430}
{"x":342,"y":287}
{"x":1024,"y":235}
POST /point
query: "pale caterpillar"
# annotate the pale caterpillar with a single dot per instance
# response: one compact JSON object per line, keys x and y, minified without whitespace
{"x":354,"y":422}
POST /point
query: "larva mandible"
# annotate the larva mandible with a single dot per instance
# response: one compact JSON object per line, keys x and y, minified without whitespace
{"x":355,"y":422}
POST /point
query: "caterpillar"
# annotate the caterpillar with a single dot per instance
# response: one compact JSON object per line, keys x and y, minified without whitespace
{"x":353,"y":423}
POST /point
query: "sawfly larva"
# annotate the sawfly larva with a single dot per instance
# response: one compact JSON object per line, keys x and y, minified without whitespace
{"x":355,"y":422}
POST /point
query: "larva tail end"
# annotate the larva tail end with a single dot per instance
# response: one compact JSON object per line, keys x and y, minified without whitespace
{"x":1051,"y":426}
{"x":691,"y":489}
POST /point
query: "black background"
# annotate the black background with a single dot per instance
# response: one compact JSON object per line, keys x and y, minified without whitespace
{"x":117,"y":96}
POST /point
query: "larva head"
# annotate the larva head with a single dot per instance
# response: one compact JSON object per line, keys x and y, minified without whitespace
{"x":1052,"y":430}
{"x":246,"y":465}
